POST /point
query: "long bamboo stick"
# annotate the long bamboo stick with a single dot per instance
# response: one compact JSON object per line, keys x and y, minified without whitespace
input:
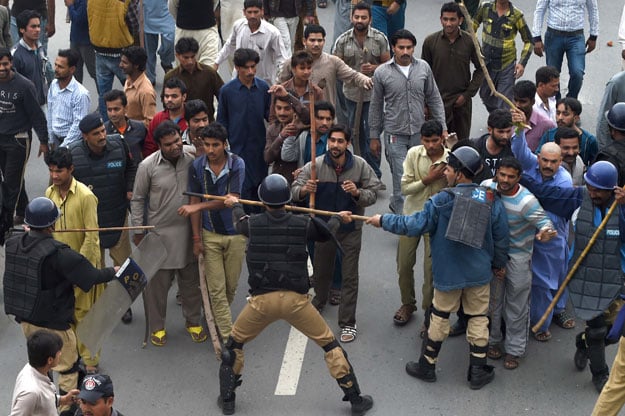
{"x":313,"y":141}
{"x":287,"y":207}
{"x":86,"y":230}
{"x":574,"y":268}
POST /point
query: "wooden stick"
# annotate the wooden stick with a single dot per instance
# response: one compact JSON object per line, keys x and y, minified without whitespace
{"x":574,"y":268}
{"x":86,"y":230}
{"x":480,"y":57}
{"x":287,"y":207}
{"x":313,"y":141}
{"x":208,"y":311}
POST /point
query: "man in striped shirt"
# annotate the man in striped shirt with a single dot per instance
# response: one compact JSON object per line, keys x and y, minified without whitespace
{"x":510,"y":294}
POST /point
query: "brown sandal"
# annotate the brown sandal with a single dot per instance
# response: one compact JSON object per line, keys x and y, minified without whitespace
{"x":404,"y":314}
{"x":494,"y":352}
{"x":542,"y":336}
{"x":335,"y":297}
{"x":510,"y":362}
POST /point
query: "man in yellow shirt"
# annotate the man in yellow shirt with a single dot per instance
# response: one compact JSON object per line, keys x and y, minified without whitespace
{"x":78,"y":206}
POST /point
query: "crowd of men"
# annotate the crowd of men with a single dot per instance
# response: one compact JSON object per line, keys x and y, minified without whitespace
{"x":321,"y":121}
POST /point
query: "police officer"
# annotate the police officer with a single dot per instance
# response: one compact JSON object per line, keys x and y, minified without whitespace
{"x":615,"y":151}
{"x":596,"y":300}
{"x":39,"y":278}
{"x":276,"y":260}
{"x":104,"y":163}
{"x":479,"y":251}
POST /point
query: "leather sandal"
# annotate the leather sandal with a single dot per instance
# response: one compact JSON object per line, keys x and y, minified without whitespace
{"x":403,"y":314}
{"x":197,"y":333}
{"x":348,"y":333}
{"x":494,"y":352}
{"x":510,"y":362}
{"x":158,"y":338}
{"x":564,"y":320}
{"x":542,"y":336}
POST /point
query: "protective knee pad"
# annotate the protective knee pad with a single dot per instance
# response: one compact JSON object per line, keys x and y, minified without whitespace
{"x":348,"y":383}
{"x":440,"y":314}
{"x":431,"y":349}
{"x":228,"y":380}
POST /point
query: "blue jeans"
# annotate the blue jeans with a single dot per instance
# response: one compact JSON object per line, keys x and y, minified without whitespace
{"x":107,"y":68}
{"x":575,"y":48}
{"x":504,"y":82}
{"x":364,"y":138}
{"x":165,"y":52}
{"x":388,"y":24}
{"x":396,"y":147}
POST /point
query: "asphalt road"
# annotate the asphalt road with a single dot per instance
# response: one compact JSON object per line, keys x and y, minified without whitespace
{"x":181,"y":378}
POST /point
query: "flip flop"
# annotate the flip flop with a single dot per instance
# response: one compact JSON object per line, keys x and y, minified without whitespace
{"x":158,"y":338}
{"x":197,"y":333}
{"x":348,"y":333}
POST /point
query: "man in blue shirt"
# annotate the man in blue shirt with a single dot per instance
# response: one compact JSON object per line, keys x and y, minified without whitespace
{"x":244,"y":105}
{"x":217,"y":172}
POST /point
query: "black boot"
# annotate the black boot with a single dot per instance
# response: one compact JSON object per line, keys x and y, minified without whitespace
{"x":226,"y":406}
{"x":127,"y":317}
{"x":595,"y":339}
{"x":581,"y":352}
{"x":360,"y":403}
{"x":422,"y":370}
{"x":480,"y":373}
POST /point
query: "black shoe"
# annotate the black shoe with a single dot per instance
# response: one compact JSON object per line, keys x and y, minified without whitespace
{"x":227,"y":407}
{"x":127,"y":318}
{"x":480,"y":375}
{"x":458,"y":328}
{"x":360,"y":407}
{"x":581,"y":353}
{"x":422,"y":370}
{"x":599,"y":381}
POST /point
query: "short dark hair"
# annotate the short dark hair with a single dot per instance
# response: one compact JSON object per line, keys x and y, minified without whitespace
{"x":113,"y":95}
{"x":193,"y":107}
{"x":166,"y":128}
{"x":511,"y":162}
{"x":137,"y":56}
{"x":361,"y":5}
{"x":6,"y":52}
{"x":544,"y":74}
{"x":325,"y":106}
{"x":61,"y":158}
{"x":524,"y":89}
{"x":566,"y":133}
{"x":245,"y":55}
{"x":572,"y":104}
{"x":452,"y":7}
{"x":214,"y":131}
{"x":173,"y":83}
{"x":301,"y":57}
{"x":403,"y":34}
{"x":252,"y":3}
{"x":431,"y":128}
{"x":314,"y":29}
{"x":284,"y":99}
{"x":500,"y":119}
{"x":340,"y":128}
{"x":22,"y":19}
{"x":185,"y":45}
{"x":71,"y":55}
{"x":42,"y":345}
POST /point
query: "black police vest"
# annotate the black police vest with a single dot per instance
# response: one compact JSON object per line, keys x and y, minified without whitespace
{"x":276,"y":253}
{"x":599,"y":278}
{"x":615,"y":153}
{"x":106,"y":177}
{"x":23,"y":293}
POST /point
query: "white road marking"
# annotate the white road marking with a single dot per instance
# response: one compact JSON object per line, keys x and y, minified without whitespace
{"x":291,"y":363}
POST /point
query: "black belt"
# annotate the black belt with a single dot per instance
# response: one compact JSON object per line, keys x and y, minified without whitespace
{"x":565,"y":33}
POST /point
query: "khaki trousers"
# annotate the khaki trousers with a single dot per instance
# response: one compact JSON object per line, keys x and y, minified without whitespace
{"x":223,"y":260}
{"x":83,"y":303}
{"x":474,"y":302}
{"x":296,"y":309}
{"x":120,"y":251}
{"x":406,"y":259}
{"x":612,"y":396}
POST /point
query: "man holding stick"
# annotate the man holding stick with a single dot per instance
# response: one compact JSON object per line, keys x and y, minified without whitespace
{"x":279,"y":284}
{"x":217,"y":172}
{"x":595,"y":286}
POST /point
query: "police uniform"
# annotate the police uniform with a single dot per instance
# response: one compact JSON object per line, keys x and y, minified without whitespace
{"x":40,"y":274}
{"x":279,"y":284}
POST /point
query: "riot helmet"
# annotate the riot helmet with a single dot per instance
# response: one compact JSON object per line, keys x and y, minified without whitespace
{"x":602,"y":175}
{"x":616,"y":117}
{"x":465,"y":159}
{"x":274,"y":190}
{"x":41,"y":213}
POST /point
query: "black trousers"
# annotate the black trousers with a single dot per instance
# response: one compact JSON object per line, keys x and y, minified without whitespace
{"x":14,"y":154}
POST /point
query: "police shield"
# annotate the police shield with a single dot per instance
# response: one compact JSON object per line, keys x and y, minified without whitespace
{"x":132,"y":277}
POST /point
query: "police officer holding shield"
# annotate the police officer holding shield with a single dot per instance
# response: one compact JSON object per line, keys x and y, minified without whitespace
{"x":467,"y":223}
{"x":279,"y":284}
{"x":39,"y":278}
